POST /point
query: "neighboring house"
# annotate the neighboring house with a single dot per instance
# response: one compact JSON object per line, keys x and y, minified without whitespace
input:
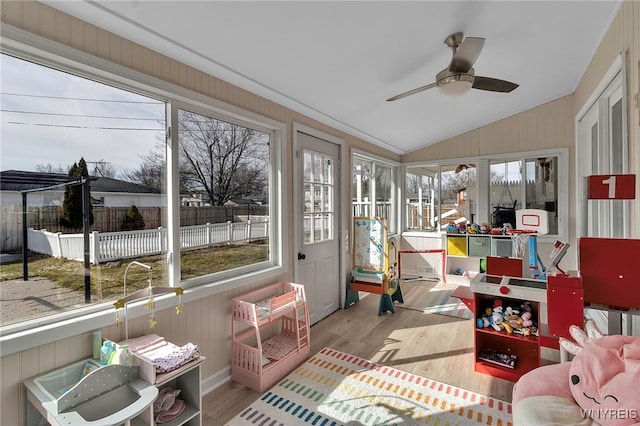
{"x":105,"y":191}
{"x":194,"y":200}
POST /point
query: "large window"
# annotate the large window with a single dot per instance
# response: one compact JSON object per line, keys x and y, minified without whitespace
{"x":440,"y":194}
{"x":225,"y":166}
{"x":194,"y":203}
{"x":373,"y":190}
{"x":532,"y":186}
{"x":437,"y":195}
{"x":56,"y":127}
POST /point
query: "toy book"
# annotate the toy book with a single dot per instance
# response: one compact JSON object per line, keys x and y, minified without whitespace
{"x":499,"y":358}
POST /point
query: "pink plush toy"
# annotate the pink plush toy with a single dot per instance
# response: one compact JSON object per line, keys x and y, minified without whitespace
{"x":600,"y":386}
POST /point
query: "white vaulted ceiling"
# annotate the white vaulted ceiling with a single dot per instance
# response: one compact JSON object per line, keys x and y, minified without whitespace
{"x":339,"y":61}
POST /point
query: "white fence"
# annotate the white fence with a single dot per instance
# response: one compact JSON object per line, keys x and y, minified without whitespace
{"x":108,"y":246}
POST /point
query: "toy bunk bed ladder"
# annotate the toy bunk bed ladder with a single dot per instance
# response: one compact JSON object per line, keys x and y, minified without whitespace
{"x":298,"y":324}
{"x":302,"y":320}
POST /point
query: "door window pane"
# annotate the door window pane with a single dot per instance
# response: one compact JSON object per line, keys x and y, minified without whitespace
{"x":318,"y":197}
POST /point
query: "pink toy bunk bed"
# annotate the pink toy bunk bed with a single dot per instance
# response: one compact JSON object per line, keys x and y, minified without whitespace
{"x":279,"y":313}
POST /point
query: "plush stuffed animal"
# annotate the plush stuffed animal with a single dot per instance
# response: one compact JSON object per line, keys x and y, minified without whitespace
{"x":600,"y":386}
{"x":605,"y":375}
{"x":496,"y":318}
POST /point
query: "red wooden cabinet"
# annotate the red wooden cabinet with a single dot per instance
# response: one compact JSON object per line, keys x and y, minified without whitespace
{"x":525,"y":348}
{"x":565,"y":304}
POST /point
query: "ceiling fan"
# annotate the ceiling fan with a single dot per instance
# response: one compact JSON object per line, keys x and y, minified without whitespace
{"x":460,"y":76}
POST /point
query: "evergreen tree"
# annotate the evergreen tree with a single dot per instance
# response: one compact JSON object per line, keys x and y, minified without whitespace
{"x":133,"y":220}
{"x":72,"y":204}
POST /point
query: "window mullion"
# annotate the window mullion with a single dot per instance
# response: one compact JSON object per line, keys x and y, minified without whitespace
{"x":372,"y":204}
{"x":173,"y":197}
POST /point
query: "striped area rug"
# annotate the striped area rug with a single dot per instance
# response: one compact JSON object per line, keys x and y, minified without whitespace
{"x":335,"y":388}
{"x":433,"y":298}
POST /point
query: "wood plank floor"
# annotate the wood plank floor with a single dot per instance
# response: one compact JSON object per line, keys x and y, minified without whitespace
{"x":430,"y":345}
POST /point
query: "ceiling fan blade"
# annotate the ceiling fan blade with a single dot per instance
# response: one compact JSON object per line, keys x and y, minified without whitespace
{"x":411,"y":92}
{"x":466,"y":54}
{"x":493,"y":84}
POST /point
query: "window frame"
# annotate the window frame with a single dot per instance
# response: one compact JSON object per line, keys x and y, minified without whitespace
{"x":42,"y":51}
{"x":483,"y":184}
{"x":393,"y":223}
{"x":273,"y":147}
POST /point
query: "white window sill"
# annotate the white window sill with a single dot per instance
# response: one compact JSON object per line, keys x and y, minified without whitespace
{"x":40,"y":331}
{"x":423,"y":234}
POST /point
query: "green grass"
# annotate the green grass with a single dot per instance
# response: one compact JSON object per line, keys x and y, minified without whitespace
{"x":108,"y":278}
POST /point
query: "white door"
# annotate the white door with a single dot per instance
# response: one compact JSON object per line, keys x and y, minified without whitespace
{"x":317,"y":210}
{"x":602,"y":150}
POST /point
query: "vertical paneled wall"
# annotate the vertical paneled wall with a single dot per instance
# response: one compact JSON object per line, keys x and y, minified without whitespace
{"x":547,"y":126}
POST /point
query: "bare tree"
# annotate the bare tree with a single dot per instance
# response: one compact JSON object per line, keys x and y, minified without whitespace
{"x":102,"y":169}
{"x":50,"y":168}
{"x":455,"y":181}
{"x":222,"y":160}
{"x":150,"y":173}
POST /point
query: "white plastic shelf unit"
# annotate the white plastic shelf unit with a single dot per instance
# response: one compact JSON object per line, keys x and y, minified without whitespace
{"x":465,"y":251}
{"x":186,"y":378}
{"x":278,"y":312}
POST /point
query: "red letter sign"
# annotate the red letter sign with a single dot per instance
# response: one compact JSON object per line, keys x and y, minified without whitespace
{"x":612,"y":187}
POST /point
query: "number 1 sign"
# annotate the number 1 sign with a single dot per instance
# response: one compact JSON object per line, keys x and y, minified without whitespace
{"x":612,"y":187}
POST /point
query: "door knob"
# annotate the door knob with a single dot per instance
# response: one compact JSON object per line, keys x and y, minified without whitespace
{"x":301,"y":256}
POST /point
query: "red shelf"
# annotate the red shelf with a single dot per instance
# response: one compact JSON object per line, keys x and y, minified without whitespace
{"x":523,"y":367}
{"x":504,"y":334}
{"x":526,"y":348}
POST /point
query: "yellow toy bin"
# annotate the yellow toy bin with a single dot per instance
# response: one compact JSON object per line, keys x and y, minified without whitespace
{"x":457,"y":245}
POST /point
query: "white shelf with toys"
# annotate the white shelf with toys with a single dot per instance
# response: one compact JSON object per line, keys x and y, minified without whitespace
{"x":466,"y":252}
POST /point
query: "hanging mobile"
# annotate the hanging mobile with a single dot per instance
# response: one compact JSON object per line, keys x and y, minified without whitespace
{"x":151,"y":304}
{"x":119,"y":304}
{"x":149,"y":293}
{"x":179,"y":292}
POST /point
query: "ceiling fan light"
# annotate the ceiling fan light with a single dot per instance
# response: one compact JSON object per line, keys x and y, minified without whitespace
{"x":455,"y":84}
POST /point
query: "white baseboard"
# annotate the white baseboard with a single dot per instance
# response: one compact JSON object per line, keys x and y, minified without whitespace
{"x":216,"y":380}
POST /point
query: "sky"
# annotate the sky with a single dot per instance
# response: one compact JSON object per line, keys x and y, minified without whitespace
{"x":50,"y":117}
